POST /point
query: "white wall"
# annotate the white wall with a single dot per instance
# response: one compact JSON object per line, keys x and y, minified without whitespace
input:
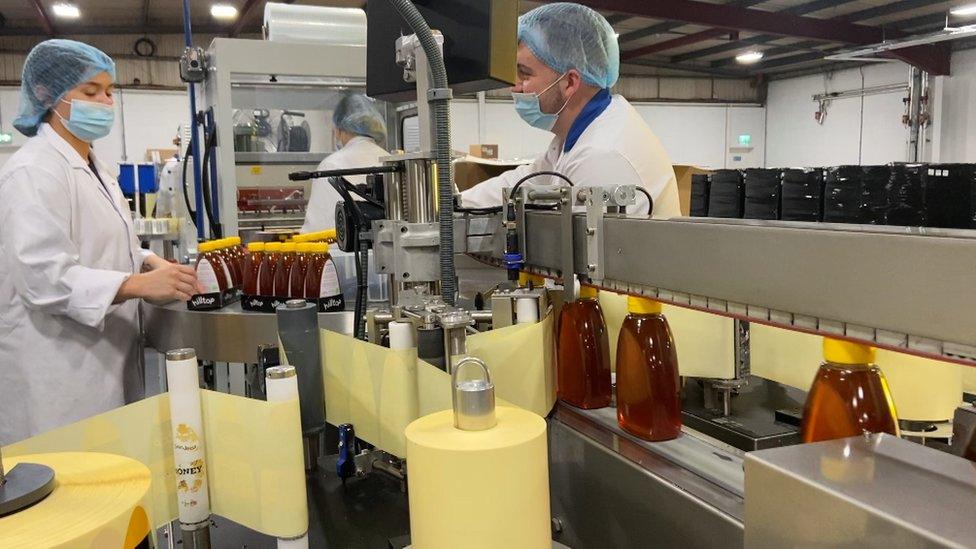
{"x":856,"y":130}
{"x":692,"y":134}
{"x":151,"y":121}
{"x":955,"y":96}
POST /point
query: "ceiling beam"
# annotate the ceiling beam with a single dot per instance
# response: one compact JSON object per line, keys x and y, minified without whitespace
{"x":99,"y":30}
{"x":615,"y":18}
{"x":701,"y":69}
{"x":729,"y":16}
{"x":242,"y":19}
{"x":42,"y":17}
{"x":674,"y":43}
{"x":808,"y":46}
{"x":668,"y":26}
{"x":863,"y":15}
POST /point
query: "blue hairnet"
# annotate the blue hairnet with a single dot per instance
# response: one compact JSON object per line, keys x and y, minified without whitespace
{"x":52,"y":69}
{"x":568,"y":36}
{"x":357,"y":114}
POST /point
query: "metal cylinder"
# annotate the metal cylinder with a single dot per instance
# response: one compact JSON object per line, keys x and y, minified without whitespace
{"x":196,"y":536}
{"x":298,"y":331}
{"x":474,"y":399}
{"x":420,"y":191}
{"x":430,"y":346}
{"x":393,"y":191}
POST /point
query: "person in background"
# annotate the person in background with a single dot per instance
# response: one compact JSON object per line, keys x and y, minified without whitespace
{"x":71,"y":268}
{"x":358,"y":129}
{"x":567,"y":61}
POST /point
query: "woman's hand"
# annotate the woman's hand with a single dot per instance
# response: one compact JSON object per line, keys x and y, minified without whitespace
{"x":164,"y":283}
{"x":154,"y":262}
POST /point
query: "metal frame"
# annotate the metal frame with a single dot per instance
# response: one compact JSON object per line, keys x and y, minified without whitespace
{"x":229,"y":56}
{"x":906,"y":289}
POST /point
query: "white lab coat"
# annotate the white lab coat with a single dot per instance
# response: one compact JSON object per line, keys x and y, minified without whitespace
{"x":617,"y":148}
{"x":359,"y":152}
{"x":66,"y":245}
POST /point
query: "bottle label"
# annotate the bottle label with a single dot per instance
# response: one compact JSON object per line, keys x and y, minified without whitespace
{"x":207,"y":277}
{"x":330,"y":280}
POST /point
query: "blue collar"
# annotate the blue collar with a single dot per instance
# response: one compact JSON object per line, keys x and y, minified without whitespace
{"x":596,"y":105}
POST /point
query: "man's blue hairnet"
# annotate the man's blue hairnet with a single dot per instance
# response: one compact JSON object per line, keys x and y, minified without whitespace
{"x":357,"y":114}
{"x":568,"y":36}
{"x":52,"y":69}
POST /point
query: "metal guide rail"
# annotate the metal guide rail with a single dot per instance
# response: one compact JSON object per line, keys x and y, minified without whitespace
{"x":906,"y":289}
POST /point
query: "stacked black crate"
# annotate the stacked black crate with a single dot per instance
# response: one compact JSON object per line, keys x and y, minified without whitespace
{"x":950,"y":195}
{"x":802,"y":195}
{"x":856,"y":194}
{"x":699,"y":195}
{"x":726,"y":194}
{"x":762,"y":194}
{"x":905,"y":196}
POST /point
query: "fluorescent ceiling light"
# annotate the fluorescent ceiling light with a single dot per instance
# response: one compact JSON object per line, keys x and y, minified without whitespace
{"x":66,"y":11}
{"x":223,"y":11}
{"x":951,"y":33}
{"x":968,"y":9}
{"x":749,"y":57}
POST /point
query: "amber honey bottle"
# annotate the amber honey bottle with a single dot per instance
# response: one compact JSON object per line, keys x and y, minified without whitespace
{"x":648,"y":383}
{"x":269,"y":265}
{"x":283,"y":269}
{"x":252,"y":267}
{"x":849,"y":395}
{"x":299,"y":268}
{"x":583,"y":353}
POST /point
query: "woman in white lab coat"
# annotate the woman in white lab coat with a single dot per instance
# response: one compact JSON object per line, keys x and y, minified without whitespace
{"x":358,"y":127}
{"x":71,"y":268}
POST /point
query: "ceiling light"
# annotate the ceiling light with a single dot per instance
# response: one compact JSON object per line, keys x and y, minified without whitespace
{"x":223,"y":11}
{"x":67,"y":11}
{"x":963,"y":11}
{"x":749,"y":57}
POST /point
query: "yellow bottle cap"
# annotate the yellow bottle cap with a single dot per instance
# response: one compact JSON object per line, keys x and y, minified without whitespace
{"x":588,"y":292}
{"x":220,"y":243}
{"x":304,"y":247}
{"x":525,"y":278}
{"x":642,"y":305}
{"x":317,"y":236}
{"x":205,"y":247}
{"x":234,"y":240}
{"x":320,"y":248}
{"x":273,"y":247}
{"x":289,"y":247}
{"x":255,"y":246}
{"x":846,"y":352}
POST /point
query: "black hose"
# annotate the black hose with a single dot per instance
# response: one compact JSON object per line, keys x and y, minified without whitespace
{"x":362,"y":288}
{"x":208,"y":149}
{"x":511,"y":195}
{"x":186,"y":192}
{"x":439,"y":106}
{"x":650,"y":201}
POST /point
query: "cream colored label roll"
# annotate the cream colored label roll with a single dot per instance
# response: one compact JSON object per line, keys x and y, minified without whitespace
{"x":402,"y":336}
{"x":186,"y":418}
{"x":479,"y":489}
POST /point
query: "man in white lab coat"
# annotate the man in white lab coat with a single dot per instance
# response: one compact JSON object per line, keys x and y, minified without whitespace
{"x":71,"y":269}
{"x":358,"y":128}
{"x":568,"y":59}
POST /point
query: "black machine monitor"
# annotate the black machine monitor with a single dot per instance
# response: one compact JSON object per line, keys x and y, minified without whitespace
{"x":480,"y":42}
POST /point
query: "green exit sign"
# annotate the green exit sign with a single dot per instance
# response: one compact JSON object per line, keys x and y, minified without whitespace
{"x":6,"y":138}
{"x":745,"y":140}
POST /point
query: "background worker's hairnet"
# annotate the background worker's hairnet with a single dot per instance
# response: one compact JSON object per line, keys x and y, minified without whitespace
{"x":357,"y":114}
{"x":568,"y":36}
{"x":52,"y":69}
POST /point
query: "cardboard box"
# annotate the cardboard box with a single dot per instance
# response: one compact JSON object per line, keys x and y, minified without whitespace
{"x":483,"y":151}
{"x":683,"y":175}
{"x":470,"y":171}
{"x":164,"y":154}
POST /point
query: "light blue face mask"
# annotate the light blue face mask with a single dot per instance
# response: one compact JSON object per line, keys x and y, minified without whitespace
{"x":527,"y":106}
{"x":88,"y":120}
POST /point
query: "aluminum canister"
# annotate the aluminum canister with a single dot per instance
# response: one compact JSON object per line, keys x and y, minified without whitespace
{"x":474,"y":399}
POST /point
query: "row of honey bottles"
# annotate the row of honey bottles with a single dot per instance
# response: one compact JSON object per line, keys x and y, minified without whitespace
{"x":302,"y":269}
{"x":849,"y":395}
